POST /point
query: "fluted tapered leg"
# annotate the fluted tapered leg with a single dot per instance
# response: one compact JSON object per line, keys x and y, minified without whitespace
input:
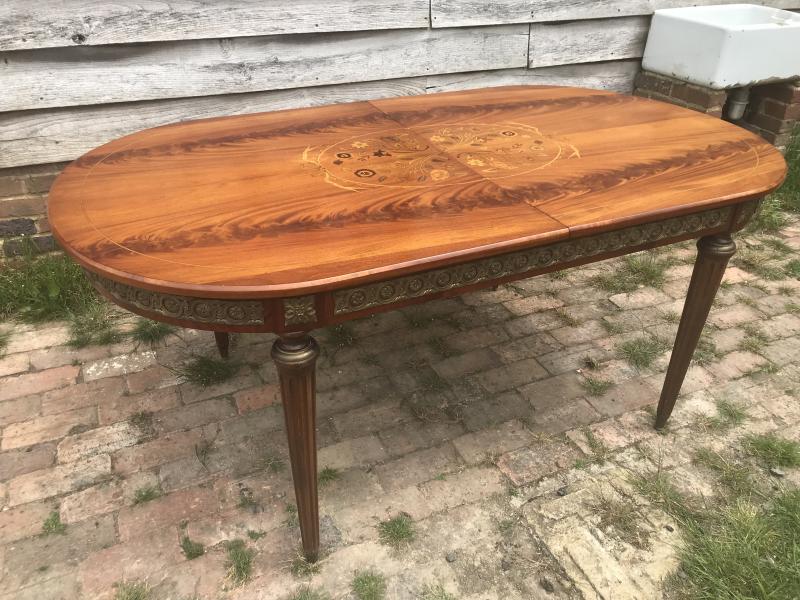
{"x":223,"y":340}
{"x":295,"y":357}
{"x":713,"y":254}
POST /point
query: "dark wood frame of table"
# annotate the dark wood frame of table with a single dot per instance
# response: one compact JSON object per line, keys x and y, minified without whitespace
{"x":293,"y":318}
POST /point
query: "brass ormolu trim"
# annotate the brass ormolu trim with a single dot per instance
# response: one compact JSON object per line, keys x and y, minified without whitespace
{"x":516,"y":263}
{"x":202,"y":310}
{"x":299,"y":310}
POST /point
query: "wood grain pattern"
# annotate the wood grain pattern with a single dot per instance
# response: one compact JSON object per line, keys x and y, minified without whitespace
{"x":587,"y":41}
{"x":25,"y":26}
{"x":258,"y":207}
{"x":62,"y":134}
{"x":464,"y":13}
{"x":127,"y":72}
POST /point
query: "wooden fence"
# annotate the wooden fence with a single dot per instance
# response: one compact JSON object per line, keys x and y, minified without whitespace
{"x":77,"y":73}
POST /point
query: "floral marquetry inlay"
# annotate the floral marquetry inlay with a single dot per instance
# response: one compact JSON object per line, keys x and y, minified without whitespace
{"x":438,"y":156}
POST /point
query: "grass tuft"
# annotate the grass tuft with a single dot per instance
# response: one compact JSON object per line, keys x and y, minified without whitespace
{"x":205,"y":371}
{"x":744,"y":552}
{"x":596,"y":387}
{"x":622,"y":517}
{"x":773,"y":451}
{"x":52,"y":524}
{"x":150,"y":332}
{"x":191,"y":549}
{"x":328,"y":475}
{"x":753,"y":340}
{"x":274,"y":464}
{"x":239,"y":562}
{"x":132,"y":590}
{"x":301,"y":567}
{"x":96,"y":326}
{"x":658,"y":488}
{"x":637,"y":270}
{"x":369,"y":585}
{"x":44,"y":288}
{"x":734,"y":476}
{"x":397,"y":531}
{"x":436,"y":592}
{"x":642,"y":351}
{"x":146,"y":494}
{"x":309,"y":594}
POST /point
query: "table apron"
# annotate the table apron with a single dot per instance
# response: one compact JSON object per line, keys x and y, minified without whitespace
{"x":312,"y":311}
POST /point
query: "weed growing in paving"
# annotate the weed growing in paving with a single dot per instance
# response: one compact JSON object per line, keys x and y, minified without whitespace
{"x":436,"y":592}
{"x":596,"y":387}
{"x":255,"y":535}
{"x":729,"y":414}
{"x":302,"y":568}
{"x":770,"y":218}
{"x":705,"y":352}
{"x":743,"y":551}
{"x":753,"y":340}
{"x":273,"y":464}
{"x":239,"y":562}
{"x":397,"y":531}
{"x":52,"y":524}
{"x":734,"y":476}
{"x":340,"y":336}
{"x":640,"y":352}
{"x":132,"y":590}
{"x":44,"y":288}
{"x":204,"y":371}
{"x":146,"y":494}
{"x":566,"y":318}
{"x":191,"y":549}
{"x":658,"y":488}
{"x":759,"y":261}
{"x":328,"y":475}
{"x":611,"y":328}
{"x":310,"y":594}
{"x":292,"y":520}
{"x":637,"y":270}
{"x":150,"y":332}
{"x":622,"y":517}
{"x":792,"y":268}
{"x":369,"y":585}
{"x":96,"y":326}
{"x":143,"y":421}
{"x":203,"y":450}
{"x":773,"y":451}
{"x":599,"y":451}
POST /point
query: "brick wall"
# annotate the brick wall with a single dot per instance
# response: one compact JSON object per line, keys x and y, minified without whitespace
{"x":23,"y":200}
{"x":773,"y":111}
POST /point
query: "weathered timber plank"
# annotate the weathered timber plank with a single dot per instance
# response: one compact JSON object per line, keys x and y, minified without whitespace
{"x":615,"y":76}
{"x":54,"y":135}
{"x":463,"y":13}
{"x":121,"y":73}
{"x":25,"y":25}
{"x":570,"y":42}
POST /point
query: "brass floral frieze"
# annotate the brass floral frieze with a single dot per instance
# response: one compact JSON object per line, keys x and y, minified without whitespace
{"x":201,"y":310}
{"x":524,"y":261}
{"x":299,"y":310}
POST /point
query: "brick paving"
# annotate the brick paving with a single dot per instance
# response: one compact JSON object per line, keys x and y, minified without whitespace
{"x":470,"y":415}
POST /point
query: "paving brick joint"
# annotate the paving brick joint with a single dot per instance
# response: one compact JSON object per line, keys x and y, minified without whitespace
{"x":474,"y":416}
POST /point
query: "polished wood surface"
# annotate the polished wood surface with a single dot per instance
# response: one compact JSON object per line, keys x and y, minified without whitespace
{"x":283,"y":204}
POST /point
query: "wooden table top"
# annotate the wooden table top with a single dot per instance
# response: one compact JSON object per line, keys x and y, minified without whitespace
{"x":286,"y":203}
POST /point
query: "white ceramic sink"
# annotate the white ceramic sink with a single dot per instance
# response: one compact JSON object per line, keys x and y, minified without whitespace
{"x":734,"y":45}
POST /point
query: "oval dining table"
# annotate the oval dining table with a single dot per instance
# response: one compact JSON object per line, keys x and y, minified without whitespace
{"x":293,"y":220}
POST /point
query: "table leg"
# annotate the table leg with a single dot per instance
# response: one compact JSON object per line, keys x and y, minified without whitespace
{"x":223,"y":340}
{"x":713,"y":254}
{"x":295,"y":356}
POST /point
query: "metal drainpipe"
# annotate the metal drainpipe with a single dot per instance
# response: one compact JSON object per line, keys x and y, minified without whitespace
{"x":737,"y":102}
